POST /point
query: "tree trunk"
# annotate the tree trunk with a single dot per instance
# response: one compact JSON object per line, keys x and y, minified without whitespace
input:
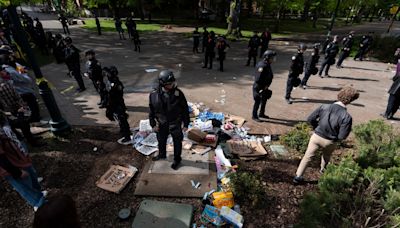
{"x":278,"y":20}
{"x":315,"y":18}
{"x":232,"y":19}
{"x":306,"y":9}
{"x":141,"y":9}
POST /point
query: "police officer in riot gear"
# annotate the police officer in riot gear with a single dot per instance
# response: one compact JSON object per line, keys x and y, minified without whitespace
{"x":347,"y":44}
{"x":365,"y":43}
{"x":168,"y":112}
{"x":296,"y":68}
{"x":72,"y":59}
{"x":94,"y":72}
{"x":115,"y":107}
{"x":252,"y":47}
{"x":210,"y":50}
{"x":330,"y":54}
{"x":262,"y":81}
{"x":311,"y":66}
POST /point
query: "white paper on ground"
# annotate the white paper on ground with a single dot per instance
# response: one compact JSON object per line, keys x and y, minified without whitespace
{"x":150,"y":140}
{"x":144,"y":125}
{"x":146,"y":150}
{"x":151,"y":70}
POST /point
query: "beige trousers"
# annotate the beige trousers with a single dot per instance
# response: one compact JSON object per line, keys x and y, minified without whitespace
{"x":316,"y":142}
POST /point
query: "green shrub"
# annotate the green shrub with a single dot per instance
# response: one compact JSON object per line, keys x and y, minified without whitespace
{"x":297,"y":138}
{"x":247,"y":187}
{"x":392,"y":201}
{"x":383,"y":48}
{"x":394,"y":221}
{"x":378,"y":145}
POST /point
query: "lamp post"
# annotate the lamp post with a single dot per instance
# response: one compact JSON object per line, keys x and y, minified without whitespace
{"x":57,"y":124}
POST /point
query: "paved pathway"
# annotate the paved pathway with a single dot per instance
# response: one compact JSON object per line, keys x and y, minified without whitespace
{"x":173,"y":50}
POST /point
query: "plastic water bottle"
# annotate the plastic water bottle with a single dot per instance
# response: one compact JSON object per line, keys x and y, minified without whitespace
{"x":237,"y":208}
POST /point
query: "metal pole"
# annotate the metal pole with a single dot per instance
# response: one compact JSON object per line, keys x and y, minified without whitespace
{"x":57,"y":124}
{"x":334,"y":17}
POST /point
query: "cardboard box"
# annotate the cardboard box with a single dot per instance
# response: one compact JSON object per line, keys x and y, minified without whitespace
{"x":236,"y":120}
{"x":116,"y":178}
{"x":246,"y":149}
{"x":196,"y":134}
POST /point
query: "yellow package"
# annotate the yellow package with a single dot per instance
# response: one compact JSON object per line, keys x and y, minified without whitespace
{"x":223,"y":199}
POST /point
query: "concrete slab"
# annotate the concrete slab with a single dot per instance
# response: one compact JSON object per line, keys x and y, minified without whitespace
{"x":191,"y":164}
{"x":279,"y":150}
{"x":176,"y":185}
{"x":156,"y":214}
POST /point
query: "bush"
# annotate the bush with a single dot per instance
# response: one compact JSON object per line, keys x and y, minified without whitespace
{"x":378,"y":145}
{"x":247,"y":187}
{"x":383,"y":48}
{"x":297,"y":138}
{"x":392,"y":201}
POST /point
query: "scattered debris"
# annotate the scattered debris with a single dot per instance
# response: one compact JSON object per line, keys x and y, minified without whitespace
{"x":124,"y":213}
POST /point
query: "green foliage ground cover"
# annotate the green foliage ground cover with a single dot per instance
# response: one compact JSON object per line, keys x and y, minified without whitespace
{"x":364,"y":189}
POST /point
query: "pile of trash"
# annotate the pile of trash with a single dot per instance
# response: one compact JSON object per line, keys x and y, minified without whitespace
{"x":229,"y":138}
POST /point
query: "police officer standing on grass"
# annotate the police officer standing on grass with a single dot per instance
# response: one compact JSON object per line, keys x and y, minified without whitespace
{"x":296,"y":68}
{"x":330,"y":54}
{"x":221,"y":47}
{"x":205,"y":38}
{"x":116,"y":109}
{"x":347,"y":44}
{"x":262,"y":81}
{"x":196,"y":40}
{"x":365,"y":43}
{"x":72,"y":59}
{"x":168,"y":112}
{"x":265,"y":38}
{"x":98,"y":25}
{"x":210,"y":50}
{"x":311,"y":66}
{"x":254,"y":42}
{"x":94,"y":72}
{"x":118,"y":27}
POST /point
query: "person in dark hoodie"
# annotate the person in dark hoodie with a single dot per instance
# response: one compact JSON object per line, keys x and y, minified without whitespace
{"x":210,"y":50}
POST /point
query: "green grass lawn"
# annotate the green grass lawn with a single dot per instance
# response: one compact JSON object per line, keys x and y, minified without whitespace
{"x":108,"y":25}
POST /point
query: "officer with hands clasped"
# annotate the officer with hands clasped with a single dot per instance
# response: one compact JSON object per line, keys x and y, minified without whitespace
{"x":296,"y":68}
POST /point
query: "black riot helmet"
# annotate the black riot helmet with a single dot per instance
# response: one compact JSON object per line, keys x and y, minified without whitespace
{"x":317,"y":46}
{"x":68,"y":40}
{"x":166,"y":77}
{"x":114,"y":71}
{"x":302,"y":47}
{"x":269,"y":54}
{"x":89,"y":52}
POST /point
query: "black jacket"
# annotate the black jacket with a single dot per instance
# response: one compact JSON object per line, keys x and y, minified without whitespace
{"x":210,"y":45}
{"x":264,"y":76}
{"x":347,"y":43}
{"x":331,"y":121}
{"x":312,"y":61}
{"x":296,"y":68}
{"x":265,"y":38}
{"x":168,"y":108}
{"x":331,"y":50}
{"x":395,"y":88}
{"x":254,"y":42}
{"x":72,"y":59}
{"x":94,"y":70}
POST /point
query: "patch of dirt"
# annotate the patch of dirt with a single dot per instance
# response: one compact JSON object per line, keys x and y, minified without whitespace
{"x":70,"y":166}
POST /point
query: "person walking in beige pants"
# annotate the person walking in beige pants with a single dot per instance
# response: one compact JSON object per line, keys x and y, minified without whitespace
{"x":331,"y":123}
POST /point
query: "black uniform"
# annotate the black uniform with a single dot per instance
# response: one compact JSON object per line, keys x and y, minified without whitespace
{"x":394,"y":98}
{"x":64,"y":23}
{"x":261,"y":93}
{"x":265,"y":38}
{"x":72,"y":59}
{"x":136,"y":39}
{"x":120,"y":30}
{"x":347,"y":44}
{"x":311,"y":67}
{"x":58,"y":50}
{"x":204,"y":40}
{"x":365,"y":43}
{"x":41,"y":38}
{"x":253,"y":49}
{"x":129,"y":26}
{"x":196,"y":41}
{"x":94,"y":70}
{"x":98,"y":26}
{"x":210,"y":52}
{"x":330,"y":55}
{"x":221,"y":46}
{"x":168,"y":111}
{"x":116,"y":109}
{"x":327,"y":41}
{"x":296,"y":68}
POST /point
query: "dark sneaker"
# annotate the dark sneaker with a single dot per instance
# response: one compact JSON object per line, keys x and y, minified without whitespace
{"x":175,"y":165}
{"x":289,"y":101}
{"x":256,"y":119}
{"x":158,"y":157}
{"x":263,"y":116}
{"x":298,"y":180}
